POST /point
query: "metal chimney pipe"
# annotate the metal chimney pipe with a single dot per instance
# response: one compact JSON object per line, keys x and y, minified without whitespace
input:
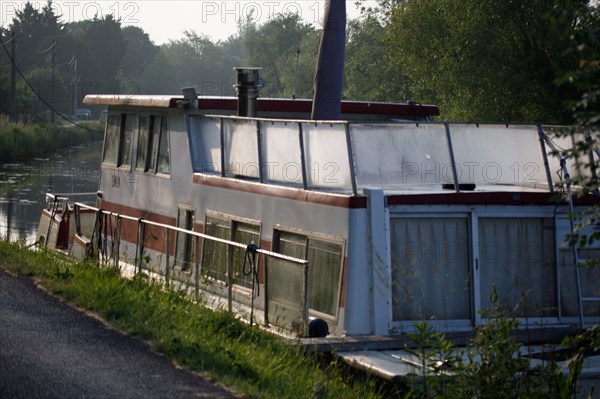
{"x":248,"y":84}
{"x":329,"y":71}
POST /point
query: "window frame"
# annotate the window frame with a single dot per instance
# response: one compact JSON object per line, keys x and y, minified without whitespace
{"x":476,"y":212}
{"x":459,"y":323}
{"x":232,"y":223}
{"x":152,"y":151}
{"x":330,"y":239}
{"x":115,"y":150}
{"x":121,"y":155}
{"x":188,"y":247}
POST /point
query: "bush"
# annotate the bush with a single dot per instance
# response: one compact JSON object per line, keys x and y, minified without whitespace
{"x":22,"y":141}
{"x":489,"y":366}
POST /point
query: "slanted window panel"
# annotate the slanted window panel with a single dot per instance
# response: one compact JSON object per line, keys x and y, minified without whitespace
{"x":164,"y":162}
{"x":155,"y":124}
{"x":430,"y":269}
{"x":325,"y":268}
{"x":215,"y":257}
{"x":111,"y":141}
{"x":183,"y":241}
{"x":589,"y":278}
{"x":142,"y":144}
{"x":516,"y":257}
{"x":325,"y":276}
{"x":285,"y":279}
{"x":244,"y":233}
{"x":126,"y":141}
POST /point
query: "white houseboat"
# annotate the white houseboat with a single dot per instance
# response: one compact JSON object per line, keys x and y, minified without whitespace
{"x":401,"y":219}
{"x":370,"y":223}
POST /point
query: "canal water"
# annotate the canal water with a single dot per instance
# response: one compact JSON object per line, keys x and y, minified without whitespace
{"x":23,"y":187}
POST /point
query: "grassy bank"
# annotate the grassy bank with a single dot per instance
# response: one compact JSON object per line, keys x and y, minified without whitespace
{"x":215,"y":344}
{"x":257,"y":364}
{"x":23,"y":141}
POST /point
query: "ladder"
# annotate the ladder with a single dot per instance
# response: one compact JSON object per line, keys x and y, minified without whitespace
{"x":577,"y":262}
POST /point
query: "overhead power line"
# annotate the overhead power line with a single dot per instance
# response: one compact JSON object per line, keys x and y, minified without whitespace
{"x":50,"y":107}
{"x":47,"y":50}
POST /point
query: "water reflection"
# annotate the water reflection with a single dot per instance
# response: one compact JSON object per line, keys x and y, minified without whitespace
{"x":23,"y":187}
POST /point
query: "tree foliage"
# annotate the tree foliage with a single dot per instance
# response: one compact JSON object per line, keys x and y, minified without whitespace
{"x":487,"y":60}
{"x":371,"y":71}
{"x":478,"y":59}
{"x":585,"y":80}
{"x":276,"y":46}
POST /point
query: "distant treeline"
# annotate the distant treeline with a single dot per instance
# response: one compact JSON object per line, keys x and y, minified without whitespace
{"x":476,"y":59}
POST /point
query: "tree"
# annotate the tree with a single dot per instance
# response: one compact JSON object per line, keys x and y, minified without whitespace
{"x":101,"y":57}
{"x":139,"y":53}
{"x":273,"y":46}
{"x":484,"y":59}
{"x":193,"y":61}
{"x":35,"y":30}
{"x":297,"y":70}
{"x":371,"y":73}
{"x":585,"y":80}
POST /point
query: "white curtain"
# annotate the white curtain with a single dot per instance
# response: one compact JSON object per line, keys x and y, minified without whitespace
{"x":516,"y":255}
{"x":430,"y":269}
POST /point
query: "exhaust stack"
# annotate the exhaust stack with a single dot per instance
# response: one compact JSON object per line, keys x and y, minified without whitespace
{"x":329,"y":72}
{"x":248,"y":84}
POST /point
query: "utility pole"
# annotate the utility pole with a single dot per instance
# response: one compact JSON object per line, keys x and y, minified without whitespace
{"x":13,"y":78}
{"x":53,"y":85}
{"x":1,"y":85}
{"x":75,"y":86}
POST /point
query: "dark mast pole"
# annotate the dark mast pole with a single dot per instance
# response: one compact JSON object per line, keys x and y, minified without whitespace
{"x":329,"y":71}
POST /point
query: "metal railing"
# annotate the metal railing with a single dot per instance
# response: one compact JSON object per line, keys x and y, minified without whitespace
{"x":288,"y":315}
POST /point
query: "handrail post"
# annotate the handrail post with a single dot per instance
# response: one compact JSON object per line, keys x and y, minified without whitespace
{"x":306,"y":307}
{"x":266,"y":290}
{"x":77,"y":216}
{"x":197,"y":269}
{"x":167,"y":254}
{"x":117,"y":239}
{"x":140,"y":244}
{"x":230,"y":278}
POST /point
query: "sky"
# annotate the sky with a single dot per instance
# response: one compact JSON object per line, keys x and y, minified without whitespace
{"x":167,"y":20}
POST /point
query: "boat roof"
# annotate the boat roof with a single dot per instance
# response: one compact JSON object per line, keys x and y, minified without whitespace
{"x":263,"y":104}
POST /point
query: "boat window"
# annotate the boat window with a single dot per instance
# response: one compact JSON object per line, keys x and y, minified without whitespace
{"x":183,"y":241}
{"x":142,"y":144}
{"x":111,"y":140}
{"x":325,"y":269}
{"x":215,"y":260}
{"x":153,"y":141}
{"x":430,"y":269}
{"x":243,"y":233}
{"x":589,"y":278}
{"x":214,"y":256}
{"x":126,"y":141}
{"x":163,"y":149}
{"x":516,"y":257}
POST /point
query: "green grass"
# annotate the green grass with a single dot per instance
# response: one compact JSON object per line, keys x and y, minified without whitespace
{"x":215,"y":344}
{"x":23,"y":141}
